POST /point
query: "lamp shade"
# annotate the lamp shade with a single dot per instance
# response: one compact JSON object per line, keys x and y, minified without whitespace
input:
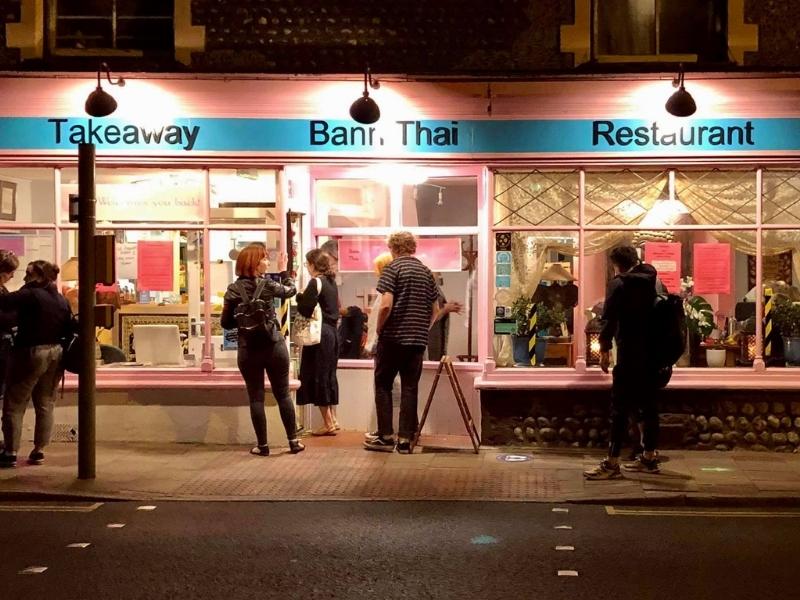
{"x":681,"y":103}
{"x":100,"y":103}
{"x":365,"y":110}
{"x":69,"y":270}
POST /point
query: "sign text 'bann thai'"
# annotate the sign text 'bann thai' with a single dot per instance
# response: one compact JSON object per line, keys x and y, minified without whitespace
{"x":411,"y":133}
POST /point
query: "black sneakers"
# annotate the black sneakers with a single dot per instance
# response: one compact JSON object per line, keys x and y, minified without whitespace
{"x":8,"y":461}
{"x":643,"y":465}
{"x":404,"y":446}
{"x":379,"y":444}
{"x":36,"y":457}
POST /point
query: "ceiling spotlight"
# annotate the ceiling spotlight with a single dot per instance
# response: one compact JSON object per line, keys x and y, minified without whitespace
{"x":365,"y":110}
{"x":100,"y":103}
{"x":681,"y":103}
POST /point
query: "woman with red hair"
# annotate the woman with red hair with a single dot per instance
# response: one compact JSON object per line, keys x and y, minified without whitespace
{"x":262,"y":348}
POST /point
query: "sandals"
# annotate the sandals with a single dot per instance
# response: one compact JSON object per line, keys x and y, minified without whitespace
{"x":296,"y":446}
{"x":260,"y":450}
{"x":324,"y":431}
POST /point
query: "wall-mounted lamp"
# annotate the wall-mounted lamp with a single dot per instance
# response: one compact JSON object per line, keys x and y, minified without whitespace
{"x":365,"y":110}
{"x":681,"y":103}
{"x":439,"y":194}
{"x":100,"y":103}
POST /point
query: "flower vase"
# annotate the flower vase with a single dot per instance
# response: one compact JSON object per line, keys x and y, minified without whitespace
{"x":520,"y":345}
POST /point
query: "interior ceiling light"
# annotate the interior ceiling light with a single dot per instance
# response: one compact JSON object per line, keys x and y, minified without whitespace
{"x":681,"y":103}
{"x":100,"y":103}
{"x":365,"y":110}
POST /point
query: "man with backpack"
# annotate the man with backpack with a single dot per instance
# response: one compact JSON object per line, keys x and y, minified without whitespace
{"x":638,"y":374}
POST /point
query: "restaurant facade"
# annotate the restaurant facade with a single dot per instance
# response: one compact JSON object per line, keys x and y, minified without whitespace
{"x":517,"y":190}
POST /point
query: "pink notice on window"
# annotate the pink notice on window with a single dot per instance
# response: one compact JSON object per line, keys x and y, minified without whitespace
{"x":666,"y":258}
{"x":712,"y":268}
{"x":15,"y":243}
{"x":155,"y":267}
{"x":356,"y":255}
{"x":440,"y":254}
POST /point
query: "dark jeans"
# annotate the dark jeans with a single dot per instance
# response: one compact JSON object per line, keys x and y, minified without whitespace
{"x":391,"y":359}
{"x":272,"y":357}
{"x":633,"y":391}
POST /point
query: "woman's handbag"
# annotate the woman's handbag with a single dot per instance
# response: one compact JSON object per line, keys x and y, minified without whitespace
{"x":307,"y":331}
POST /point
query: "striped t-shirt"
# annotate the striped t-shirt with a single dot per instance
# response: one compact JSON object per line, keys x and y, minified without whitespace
{"x":414,"y":290}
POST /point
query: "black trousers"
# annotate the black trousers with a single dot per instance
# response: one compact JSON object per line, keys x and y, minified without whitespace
{"x":633,"y":392}
{"x":391,"y":359}
{"x":273,"y":357}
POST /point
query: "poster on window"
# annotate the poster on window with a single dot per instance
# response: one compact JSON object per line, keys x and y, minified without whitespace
{"x":155,"y":266}
{"x":666,"y":259}
{"x":712,"y":268}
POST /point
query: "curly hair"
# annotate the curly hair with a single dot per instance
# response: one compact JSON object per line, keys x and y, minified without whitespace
{"x":402,"y":243}
{"x":321,"y":261}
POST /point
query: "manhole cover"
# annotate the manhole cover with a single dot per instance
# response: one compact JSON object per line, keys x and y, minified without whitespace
{"x":513,"y":458}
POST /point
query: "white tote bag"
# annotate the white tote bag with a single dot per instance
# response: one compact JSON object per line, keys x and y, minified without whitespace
{"x":307,"y":331}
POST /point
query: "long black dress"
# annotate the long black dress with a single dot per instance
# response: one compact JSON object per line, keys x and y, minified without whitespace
{"x":318,"y":383}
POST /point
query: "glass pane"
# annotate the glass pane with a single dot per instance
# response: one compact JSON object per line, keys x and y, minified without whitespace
{"x":623,"y":197}
{"x":143,"y":8}
{"x":351,"y":203}
{"x":84,"y":7}
{"x":693,"y":27}
{"x":28,"y":245}
{"x":451,"y":258}
{"x":441,"y":201}
{"x":711,"y":270}
{"x":83,"y":34}
{"x":141,"y":195}
{"x":535,"y":275}
{"x":225,"y":247}
{"x":145,"y":34}
{"x":625,"y":26}
{"x":781,"y":288}
{"x":713,"y":197}
{"x":536,"y":198}
{"x":781,"y":197}
{"x":244,"y":196}
{"x":26,"y":196}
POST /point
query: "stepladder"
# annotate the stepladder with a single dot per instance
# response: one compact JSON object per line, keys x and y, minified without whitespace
{"x":446,"y":365}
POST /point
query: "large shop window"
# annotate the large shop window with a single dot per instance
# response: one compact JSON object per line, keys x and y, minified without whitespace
{"x":697,"y":227}
{"x":441,"y":208}
{"x":244,"y":196}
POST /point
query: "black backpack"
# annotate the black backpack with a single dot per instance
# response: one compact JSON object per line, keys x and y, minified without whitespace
{"x":251,"y":313}
{"x":667,"y":330}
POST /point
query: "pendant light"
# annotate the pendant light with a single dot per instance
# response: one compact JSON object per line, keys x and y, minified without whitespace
{"x":365,"y":110}
{"x":100,"y":103}
{"x":681,"y":103}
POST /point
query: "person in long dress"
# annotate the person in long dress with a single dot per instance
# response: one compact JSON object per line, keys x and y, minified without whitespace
{"x":318,"y":383}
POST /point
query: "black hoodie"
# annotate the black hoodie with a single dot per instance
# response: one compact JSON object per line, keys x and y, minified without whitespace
{"x":629,"y":302}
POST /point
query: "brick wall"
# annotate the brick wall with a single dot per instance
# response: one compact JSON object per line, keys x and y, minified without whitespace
{"x":444,"y":36}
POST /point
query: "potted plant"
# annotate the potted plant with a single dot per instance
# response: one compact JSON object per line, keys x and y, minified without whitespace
{"x":786,"y":317}
{"x":548,"y":324}
{"x":520,"y":312}
{"x":699,"y":318}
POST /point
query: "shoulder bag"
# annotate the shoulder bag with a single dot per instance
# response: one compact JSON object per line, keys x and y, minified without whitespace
{"x":307,"y":331}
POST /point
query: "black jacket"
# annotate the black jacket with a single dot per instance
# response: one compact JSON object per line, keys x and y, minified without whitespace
{"x":8,"y":319}
{"x":44,"y":316}
{"x":272,"y":289}
{"x":628,"y":306}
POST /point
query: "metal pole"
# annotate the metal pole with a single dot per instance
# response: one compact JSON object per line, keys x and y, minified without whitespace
{"x":86,"y":302}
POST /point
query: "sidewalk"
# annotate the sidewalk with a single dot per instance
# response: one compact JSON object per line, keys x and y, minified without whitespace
{"x":337,"y":468}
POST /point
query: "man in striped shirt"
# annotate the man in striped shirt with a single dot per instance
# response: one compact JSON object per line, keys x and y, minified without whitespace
{"x":408,"y":308}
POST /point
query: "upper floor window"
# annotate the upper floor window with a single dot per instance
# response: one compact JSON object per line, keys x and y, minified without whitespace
{"x":104,"y":26}
{"x":640,"y":30}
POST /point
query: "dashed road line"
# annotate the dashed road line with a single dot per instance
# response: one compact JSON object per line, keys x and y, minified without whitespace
{"x":80,"y":545}
{"x":32,"y":571}
{"x":148,"y":507}
{"x":115,"y":525}
{"x":567,"y":573}
{"x":565,"y":548}
{"x":710,"y":513}
{"x":563,"y":527}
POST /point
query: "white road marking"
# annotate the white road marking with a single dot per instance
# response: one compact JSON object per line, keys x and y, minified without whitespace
{"x":560,"y":510}
{"x":80,"y":545}
{"x":567,"y":573}
{"x":718,"y":514}
{"x":565,"y":548}
{"x":44,"y":507}
{"x":33,"y":571}
{"x":149,"y":507}
{"x":115,"y":525}
{"x":563,"y":527}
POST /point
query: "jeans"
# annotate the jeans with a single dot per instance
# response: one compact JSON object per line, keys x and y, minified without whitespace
{"x":272,"y":357}
{"x":633,"y":390}
{"x":33,"y":375}
{"x":391,"y":359}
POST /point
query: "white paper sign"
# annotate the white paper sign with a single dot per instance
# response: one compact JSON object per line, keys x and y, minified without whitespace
{"x":126,"y":260}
